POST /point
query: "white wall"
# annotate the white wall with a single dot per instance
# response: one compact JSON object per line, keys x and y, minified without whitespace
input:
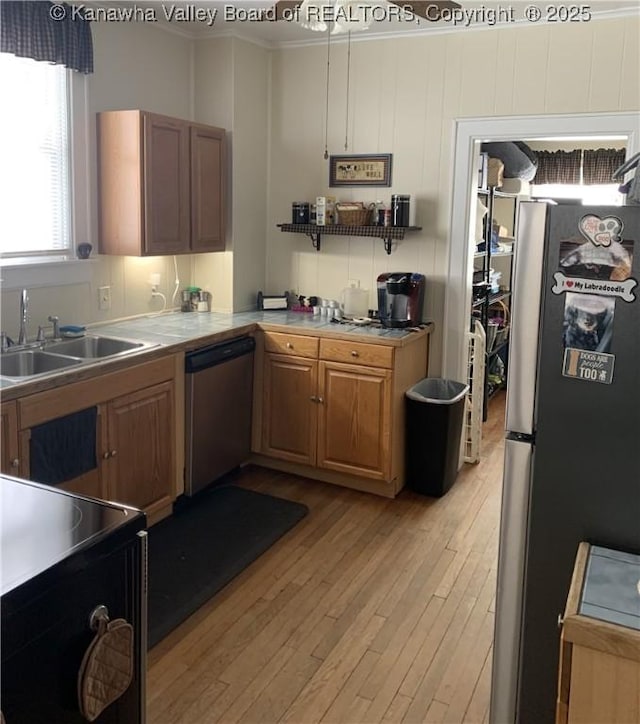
{"x":213,"y":104}
{"x":250,"y":157}
{"x":136,"y":66}
{"x":231,"y":87}
{"x":405,"y":96}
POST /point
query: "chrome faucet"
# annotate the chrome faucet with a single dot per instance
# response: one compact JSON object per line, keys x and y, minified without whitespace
{"x":55,"y":326}
{"x":24,"y":306}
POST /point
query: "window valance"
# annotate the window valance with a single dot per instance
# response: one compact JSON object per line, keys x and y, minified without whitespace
{"x":558,"y":167}
{"x":52,"y":32}
{"x":582,"y":166}
{"x":599,"y":166}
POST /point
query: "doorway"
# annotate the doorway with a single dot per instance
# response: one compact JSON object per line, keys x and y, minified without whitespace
{"x":470,"y":132}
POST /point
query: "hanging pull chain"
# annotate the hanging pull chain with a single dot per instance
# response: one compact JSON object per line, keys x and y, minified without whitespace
{"x":326,"y":108}
{"x":346,"y":120}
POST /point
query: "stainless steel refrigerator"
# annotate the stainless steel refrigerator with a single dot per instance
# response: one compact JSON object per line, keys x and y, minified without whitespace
{"x":572,"y":452}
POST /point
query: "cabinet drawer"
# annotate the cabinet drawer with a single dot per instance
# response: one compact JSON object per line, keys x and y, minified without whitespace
{"x":294,"y":344}
{"x":374,"y":355}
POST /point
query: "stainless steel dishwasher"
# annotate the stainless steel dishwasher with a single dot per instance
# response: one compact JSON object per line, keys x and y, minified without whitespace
{"x":219,"y":388}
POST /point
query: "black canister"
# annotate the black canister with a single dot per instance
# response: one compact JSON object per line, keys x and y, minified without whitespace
{"x":300,"y":212}
{"x":400,"y":210}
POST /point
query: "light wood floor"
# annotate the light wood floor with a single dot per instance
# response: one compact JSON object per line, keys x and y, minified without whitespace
{"x":369,"y":610}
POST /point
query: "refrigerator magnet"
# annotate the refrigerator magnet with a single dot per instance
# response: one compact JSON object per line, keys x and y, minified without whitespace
{"x":599,"y":261}
{"x":588,"y":322}
{"x":588,"y":366}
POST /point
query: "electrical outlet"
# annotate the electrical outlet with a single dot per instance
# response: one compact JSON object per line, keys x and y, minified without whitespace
{"x":354,"y":283}
{"x":104,"y":298}
{"x":154,"y":279}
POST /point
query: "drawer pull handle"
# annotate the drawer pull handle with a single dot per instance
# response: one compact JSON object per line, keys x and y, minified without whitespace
{"x":354,"y":353}
{"x":289,"y":345}
{"x":560,"y":621}
{"x":15,"y":463}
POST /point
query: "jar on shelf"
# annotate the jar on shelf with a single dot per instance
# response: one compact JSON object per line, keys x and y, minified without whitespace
{"x":400,"y":210}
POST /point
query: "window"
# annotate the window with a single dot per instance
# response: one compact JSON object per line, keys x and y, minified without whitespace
{"x":35,"y":200}
{"x":604,"y":194}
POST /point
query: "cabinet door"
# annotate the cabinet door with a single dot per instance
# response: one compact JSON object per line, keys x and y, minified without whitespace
{"x":290,"y":409}
{"x":354,"y":424}
{"x":9,"y":460}
{"x":139,"y":460}
{"x":207,"y":188}
{"x":166,"y":185}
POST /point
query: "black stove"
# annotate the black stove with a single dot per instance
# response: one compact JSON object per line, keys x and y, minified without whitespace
{"x":41,"y":526}
{"x":65,"y":557}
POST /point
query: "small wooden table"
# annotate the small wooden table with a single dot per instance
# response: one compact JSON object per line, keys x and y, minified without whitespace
{"x":599,"y":676}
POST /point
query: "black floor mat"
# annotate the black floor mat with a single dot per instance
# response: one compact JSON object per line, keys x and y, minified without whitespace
{"x":206,"y":543}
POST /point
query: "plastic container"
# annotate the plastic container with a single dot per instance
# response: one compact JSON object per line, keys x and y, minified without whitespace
{"x":434,"y":417}
{"x":355,"y":302}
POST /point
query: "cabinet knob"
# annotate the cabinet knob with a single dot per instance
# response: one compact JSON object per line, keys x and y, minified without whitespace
{"x":320,"y":400}
{"x":354,"y":353}
{"x":289,"y":345}
{"x":15,"y":463}
{"x":313,"y":398}
{"x":106,"y":455}
{"x":114,"y":453}
{"x":560,"y":621}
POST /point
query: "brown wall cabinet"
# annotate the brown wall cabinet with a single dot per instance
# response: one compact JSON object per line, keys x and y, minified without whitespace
{"x":161,"y":185}
{"x":334,"y":409}
{"x":136,"y":433}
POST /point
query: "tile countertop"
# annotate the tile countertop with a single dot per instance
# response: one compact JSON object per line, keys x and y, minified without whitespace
{"x":176,"y":331}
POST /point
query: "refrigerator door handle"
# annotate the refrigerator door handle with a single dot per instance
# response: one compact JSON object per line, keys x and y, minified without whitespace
{"x":525,"y":317}
{"x":511,"y":566}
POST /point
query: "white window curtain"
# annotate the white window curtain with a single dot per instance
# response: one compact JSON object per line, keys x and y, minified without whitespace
{"x":34,"y":158}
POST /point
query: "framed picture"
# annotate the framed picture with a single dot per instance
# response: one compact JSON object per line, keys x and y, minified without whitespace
{"x":367,"y":170}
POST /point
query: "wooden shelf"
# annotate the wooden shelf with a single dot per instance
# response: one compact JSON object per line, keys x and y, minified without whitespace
{"x":314,"y":232}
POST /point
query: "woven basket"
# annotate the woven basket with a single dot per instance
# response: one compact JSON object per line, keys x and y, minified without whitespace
{"x":353,"y":217}
{"x":502,"y":330}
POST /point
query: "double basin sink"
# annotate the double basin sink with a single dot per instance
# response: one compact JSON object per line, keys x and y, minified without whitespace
{"x":54,"y":356}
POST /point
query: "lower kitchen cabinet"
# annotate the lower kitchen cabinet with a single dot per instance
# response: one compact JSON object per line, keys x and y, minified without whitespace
{"x":354,"y":420}
{"x":9,"y":459}
{"x":333,"y":409}
{"x":138,"y":460}
{"x":289,"y":421}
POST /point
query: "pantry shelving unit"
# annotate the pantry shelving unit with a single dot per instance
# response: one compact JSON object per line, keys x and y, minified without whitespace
{"x":482,"y":306}
{"x":388,"y":234}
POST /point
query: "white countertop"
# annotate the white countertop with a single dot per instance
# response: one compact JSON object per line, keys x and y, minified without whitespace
{"x":184,"y":327}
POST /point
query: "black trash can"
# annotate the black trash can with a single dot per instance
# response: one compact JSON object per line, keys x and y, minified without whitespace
{"x":434,"y":415}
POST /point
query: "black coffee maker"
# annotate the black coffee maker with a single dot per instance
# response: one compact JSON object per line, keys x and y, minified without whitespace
{"x":400,"y":299}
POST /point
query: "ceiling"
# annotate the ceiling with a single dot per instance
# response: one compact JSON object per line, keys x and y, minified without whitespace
{"x":234,"y":17}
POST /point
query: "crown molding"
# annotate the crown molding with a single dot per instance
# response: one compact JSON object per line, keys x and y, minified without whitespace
{"x":446,"y":30}
{"x":320,"y":38}
{"x":260,"y":42}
